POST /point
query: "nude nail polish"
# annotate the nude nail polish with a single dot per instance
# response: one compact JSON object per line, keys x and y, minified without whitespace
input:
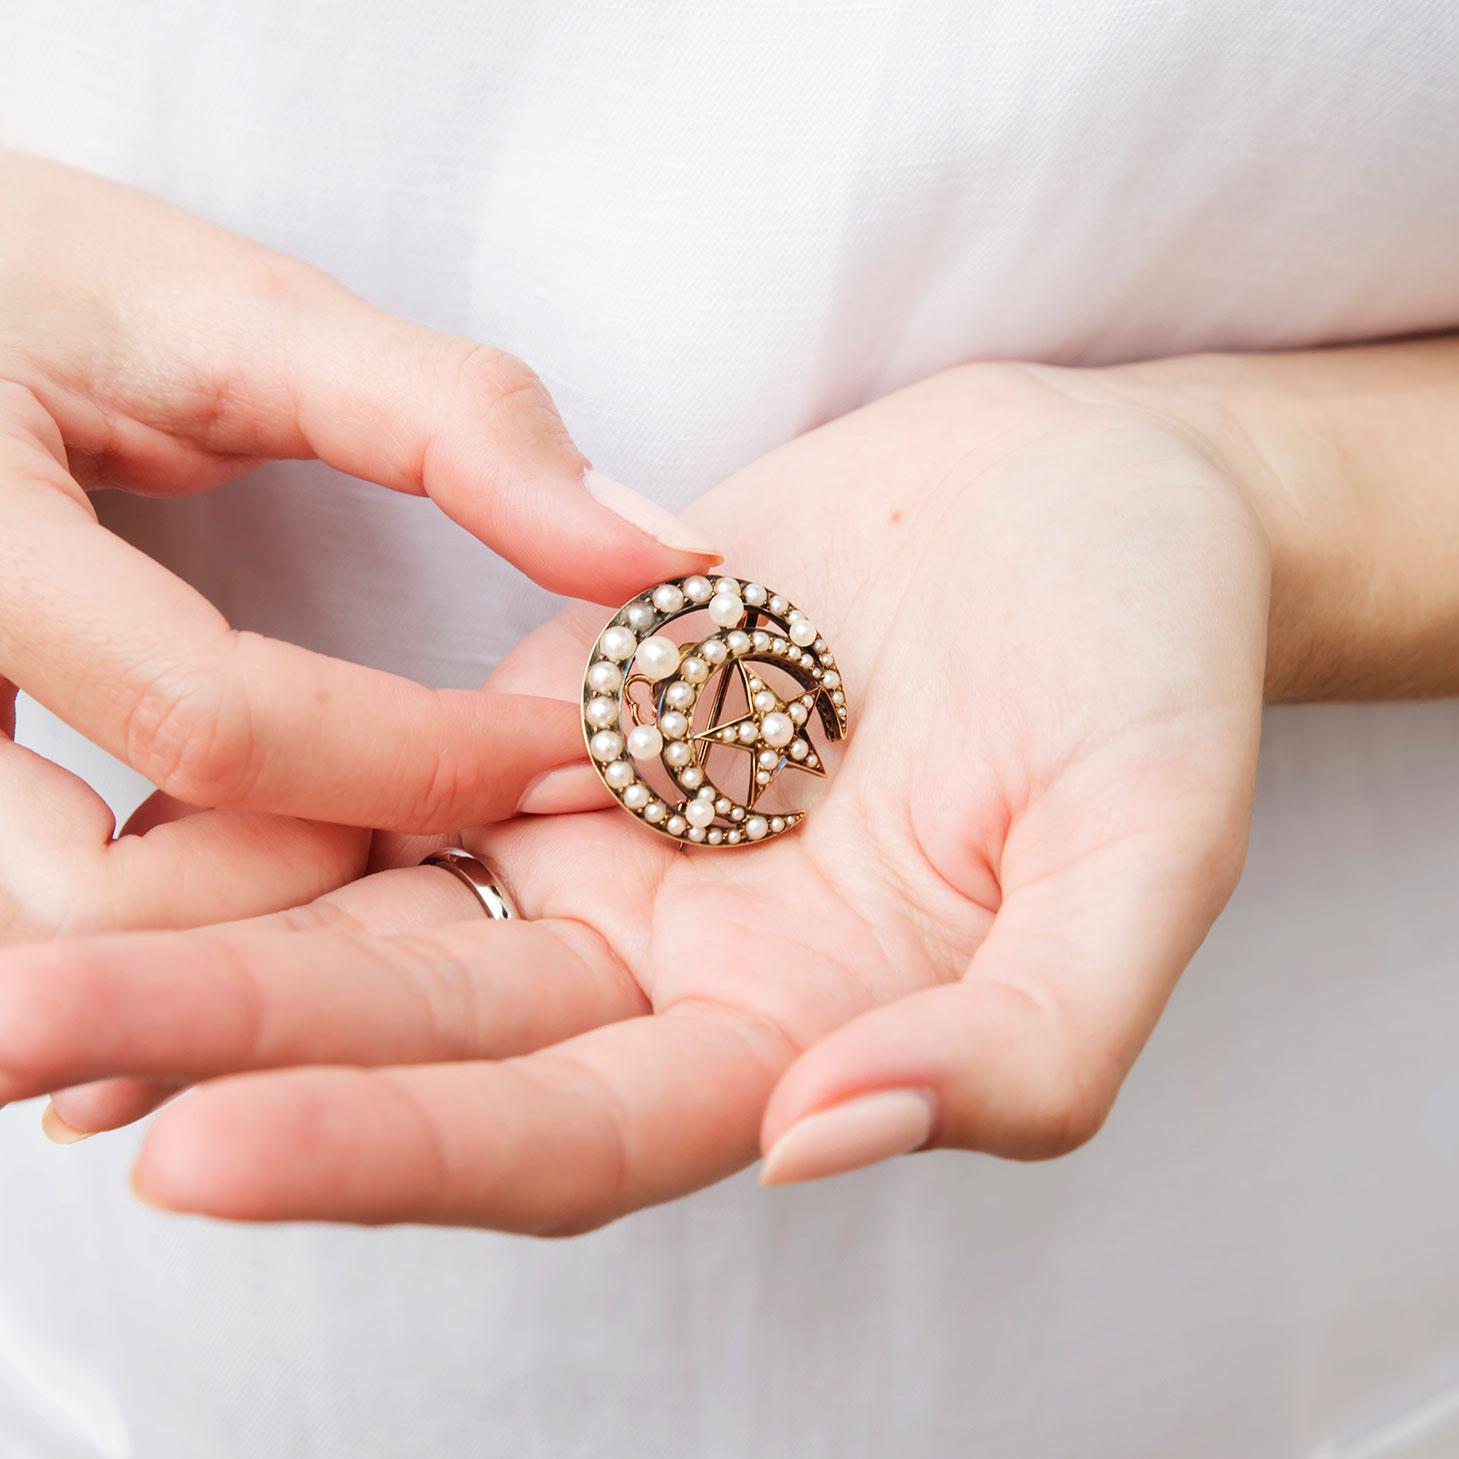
{"x":851,"y":1134}
{"x":57,"y":1131}
{"x":648,"y":516}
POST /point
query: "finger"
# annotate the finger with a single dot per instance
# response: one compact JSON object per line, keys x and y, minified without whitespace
{"x":61,"y":870}
{"x":560,"y":1141}
{"x":249,"y":354}
{"x":196,"y":1004}
{"x":145,"y":667}
{"x":476,"y":430}
{"x":108,"y":1104}
{"x":1024,"y":1056}
{"x":377,"y":905}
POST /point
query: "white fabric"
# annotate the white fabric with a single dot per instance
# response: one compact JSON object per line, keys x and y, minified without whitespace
{"x":711,"y":226}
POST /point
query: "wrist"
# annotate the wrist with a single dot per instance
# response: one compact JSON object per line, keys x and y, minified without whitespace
{"x":1335,"y":452}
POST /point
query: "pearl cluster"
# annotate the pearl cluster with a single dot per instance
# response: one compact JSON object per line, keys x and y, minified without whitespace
{"x":632,"y":646}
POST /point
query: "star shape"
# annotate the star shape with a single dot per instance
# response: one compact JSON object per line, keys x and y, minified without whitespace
{"x":768,"y":730}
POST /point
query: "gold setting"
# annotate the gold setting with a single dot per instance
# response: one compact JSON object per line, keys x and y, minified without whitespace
{"x":660,"y":682}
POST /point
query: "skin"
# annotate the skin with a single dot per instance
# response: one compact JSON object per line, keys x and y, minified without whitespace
{"x":1069,"y":591}
{"x":144,"y":349}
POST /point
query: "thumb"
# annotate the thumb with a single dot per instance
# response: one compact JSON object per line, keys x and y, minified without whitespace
{"x":1022,"y":1056}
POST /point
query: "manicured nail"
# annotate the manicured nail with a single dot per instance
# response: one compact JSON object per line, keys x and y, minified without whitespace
{"x":859,"y":1132}
{"x":663,"y":526}
{"x":567,"y":788}
{"x":57,"y":1131}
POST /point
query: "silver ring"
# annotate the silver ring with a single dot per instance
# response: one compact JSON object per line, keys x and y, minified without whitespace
{"x":473,"y":874}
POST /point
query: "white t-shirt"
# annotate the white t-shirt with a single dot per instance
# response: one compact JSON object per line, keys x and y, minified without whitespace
{"x":711,"y":226}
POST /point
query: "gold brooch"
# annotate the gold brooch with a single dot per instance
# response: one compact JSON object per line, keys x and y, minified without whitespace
{"x":657,"y":767}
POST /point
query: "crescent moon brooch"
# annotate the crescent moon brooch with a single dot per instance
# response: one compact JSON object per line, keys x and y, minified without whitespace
{"x":752,"y":680}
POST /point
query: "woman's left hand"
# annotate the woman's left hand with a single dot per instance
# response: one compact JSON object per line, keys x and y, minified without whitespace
{"x":1049,"y":604}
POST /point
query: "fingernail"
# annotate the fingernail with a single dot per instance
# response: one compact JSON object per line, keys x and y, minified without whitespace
{"x":663,"y":526}
{"x":57,"y":1131}
{"x":567,"y":788}
{"x":847,"y":1136}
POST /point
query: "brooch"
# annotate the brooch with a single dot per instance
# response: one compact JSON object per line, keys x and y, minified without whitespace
{"x":748,"y":683}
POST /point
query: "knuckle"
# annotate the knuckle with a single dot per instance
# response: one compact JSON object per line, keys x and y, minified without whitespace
{"x":454,"y":1002}
{"x":1065,"y":1089}
{"x":505,"y":392}
{"x":188,"y":730}
{"x":601,"y":1190}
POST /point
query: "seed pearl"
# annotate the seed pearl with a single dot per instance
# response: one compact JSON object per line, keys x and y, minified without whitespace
{"x":694,"y":669}
{"x":764,"y":701}
{"x":636,"y":796}
{"x":799,"y":713}
{"x":778,"y":646}
{"x":831,"y":680}
{"x":618,"y":642}
{"x":794,"y":614}
{"x":777,"y":729}
{"x":676,"y":825}
{"x":737,"y":813}
{"x":679,"y":695}
{"x":749,"y":733}
{"x":727,"y":585}
{"x":778,"y":604}
{"x":715,"y":837}
{"x":713,"y":650}
{"x":733,"y":838}
{"x":674,"y":725}
{"x":697,"y":590}
{"x":754,"y":594}
{"x":668,"y":598}
{"x":655,"y":811}
{"x":644,"y":742}
{"x":696,"y":833}
{"x":691,"y":777}
{"x":606,"y":745}
{"x":601,"y":712}
{"x":838,"y":698}
{"x":756,"y":827}
{"x":799,"y":750}
{"x":738,"y":643}
{"x":699,"y":812}
{"x":657,"y":657}
{"x":726,"y":609}
{"x":768,"y":758}
{"x":678,"y":754}
{"x":722,"y":805}
{"x":777,"y":824}
{"x":707,"y":793}
{"x":802,"y":633}
{"x":640,"y":617}
{"x":619,"y":774}
{"x":762,"y":777}
{"x":604,"y":677}
{"x":761,"y":640}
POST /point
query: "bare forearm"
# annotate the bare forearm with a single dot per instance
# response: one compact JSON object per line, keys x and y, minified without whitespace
{"x":1351,"y":459}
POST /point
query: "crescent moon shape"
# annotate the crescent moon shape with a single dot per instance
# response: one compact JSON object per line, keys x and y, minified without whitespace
{"x":750,"y":625}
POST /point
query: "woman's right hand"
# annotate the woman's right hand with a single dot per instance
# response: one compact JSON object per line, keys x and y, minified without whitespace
{"x":149,"y":350}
